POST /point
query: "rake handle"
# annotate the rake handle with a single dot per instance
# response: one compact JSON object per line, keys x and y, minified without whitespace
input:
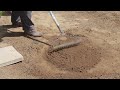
{"x":56,"y":22}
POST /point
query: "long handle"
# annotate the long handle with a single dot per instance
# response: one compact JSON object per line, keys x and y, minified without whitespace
{"x":56,"y":22}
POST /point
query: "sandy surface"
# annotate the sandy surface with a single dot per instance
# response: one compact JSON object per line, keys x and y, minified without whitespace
{"x":97,"y":56}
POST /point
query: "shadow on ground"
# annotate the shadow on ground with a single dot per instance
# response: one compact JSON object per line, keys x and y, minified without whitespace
{"x":5,"y":32}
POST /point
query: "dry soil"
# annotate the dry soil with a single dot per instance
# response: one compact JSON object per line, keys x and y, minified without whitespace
{"x":97,"y":56}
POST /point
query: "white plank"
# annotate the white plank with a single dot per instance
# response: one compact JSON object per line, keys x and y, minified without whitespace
{"x":9,"y":55}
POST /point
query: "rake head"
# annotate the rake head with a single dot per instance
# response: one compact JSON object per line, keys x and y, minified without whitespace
{"x":64,"y":46}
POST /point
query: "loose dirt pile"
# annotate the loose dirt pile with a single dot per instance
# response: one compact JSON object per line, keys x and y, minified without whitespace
{"x":78,"y":58}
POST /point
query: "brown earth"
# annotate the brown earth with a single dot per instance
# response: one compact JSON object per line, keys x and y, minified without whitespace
{"x":77,"y":58}
{"x":97,"y":56}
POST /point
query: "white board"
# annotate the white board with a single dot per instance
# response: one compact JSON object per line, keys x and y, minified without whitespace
{"x":9,"y":55}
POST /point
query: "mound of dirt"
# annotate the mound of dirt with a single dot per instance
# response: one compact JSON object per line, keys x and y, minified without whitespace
{"x":76,"y":59}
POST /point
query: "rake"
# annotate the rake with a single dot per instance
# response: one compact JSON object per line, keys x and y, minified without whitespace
{"x":62,"y":33}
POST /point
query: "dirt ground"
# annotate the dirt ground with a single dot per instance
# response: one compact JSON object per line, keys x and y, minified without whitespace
{"x":96,"y":57}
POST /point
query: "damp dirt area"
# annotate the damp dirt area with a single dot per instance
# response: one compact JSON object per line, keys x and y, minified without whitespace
{"x":97,"y":56}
